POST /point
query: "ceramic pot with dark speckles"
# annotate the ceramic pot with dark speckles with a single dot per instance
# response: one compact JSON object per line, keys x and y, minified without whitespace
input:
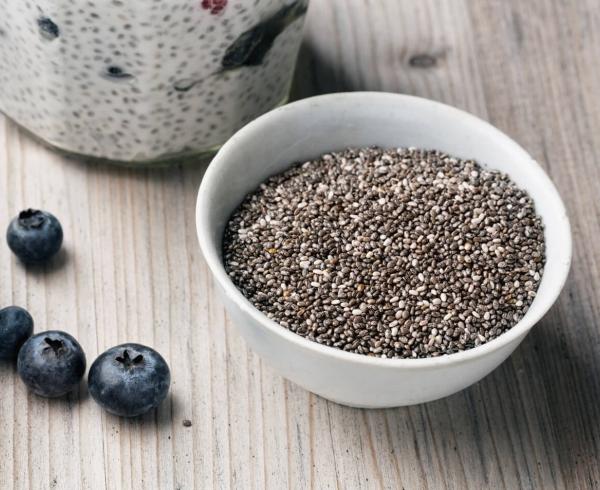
{"x":145,"y":82}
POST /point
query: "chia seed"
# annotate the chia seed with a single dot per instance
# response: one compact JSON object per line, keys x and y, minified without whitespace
{"x":399,"y":253}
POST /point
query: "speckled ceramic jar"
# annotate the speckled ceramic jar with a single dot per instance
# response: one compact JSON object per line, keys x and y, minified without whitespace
{"x":144,"y":82}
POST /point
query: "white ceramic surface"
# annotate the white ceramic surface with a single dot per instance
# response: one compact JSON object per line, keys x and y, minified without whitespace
{"x":310,"y":127}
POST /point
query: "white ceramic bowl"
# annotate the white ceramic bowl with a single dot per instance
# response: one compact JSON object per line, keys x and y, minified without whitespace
{"x":310,"y":127}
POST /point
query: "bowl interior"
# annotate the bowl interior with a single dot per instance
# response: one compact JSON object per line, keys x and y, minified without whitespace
{"x":310,"y":127}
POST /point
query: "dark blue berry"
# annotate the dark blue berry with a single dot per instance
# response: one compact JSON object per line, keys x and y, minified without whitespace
{"x":51,"y":363}
{"x":16,"y":326}
{"x":34,"y":236}
{"x":48,"y":29}
{"x":129,"y":380}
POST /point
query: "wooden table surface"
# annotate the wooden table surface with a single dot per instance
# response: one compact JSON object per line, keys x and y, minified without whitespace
{"x":133,"y":272}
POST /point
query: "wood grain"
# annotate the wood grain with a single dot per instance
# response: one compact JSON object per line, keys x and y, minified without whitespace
{"x":133,"y":272}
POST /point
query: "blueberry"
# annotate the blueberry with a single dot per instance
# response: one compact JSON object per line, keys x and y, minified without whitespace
{"x":16,"y":326}
{"x":34,"y":236}
{"x":129,"y":380}
{"x":51,"y":363}
{"x":48,"y":29}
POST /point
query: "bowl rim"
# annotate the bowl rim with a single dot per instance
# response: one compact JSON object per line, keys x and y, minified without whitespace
{"x":214,"y":262}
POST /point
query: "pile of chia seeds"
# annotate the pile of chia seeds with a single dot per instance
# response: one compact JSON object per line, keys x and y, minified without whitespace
{"x":399,"y":253}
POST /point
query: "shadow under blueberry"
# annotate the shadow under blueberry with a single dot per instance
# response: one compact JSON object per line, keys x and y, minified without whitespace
{"x":163,"y":417}
{"x":56,"y":263}
{"x":8,"y":367}
{"x":71,"y":400}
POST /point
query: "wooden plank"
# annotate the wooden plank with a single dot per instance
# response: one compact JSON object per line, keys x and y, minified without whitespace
{"x":133,"y":272}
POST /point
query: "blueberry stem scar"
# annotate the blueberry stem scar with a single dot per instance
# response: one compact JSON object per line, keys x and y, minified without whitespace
{"x":55,"y":345}
{"x":126,"y":360}
{"x":32,"y":218}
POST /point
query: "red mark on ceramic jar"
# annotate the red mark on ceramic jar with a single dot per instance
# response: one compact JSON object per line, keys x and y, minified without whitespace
{"x":214,"y":6}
